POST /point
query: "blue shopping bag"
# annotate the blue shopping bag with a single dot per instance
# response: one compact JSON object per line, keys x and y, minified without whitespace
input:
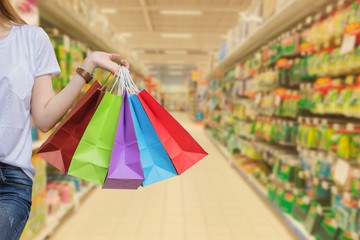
{"x":155,"y":161}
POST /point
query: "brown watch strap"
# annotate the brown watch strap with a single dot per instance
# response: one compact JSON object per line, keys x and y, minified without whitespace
{"x":86,"y":75}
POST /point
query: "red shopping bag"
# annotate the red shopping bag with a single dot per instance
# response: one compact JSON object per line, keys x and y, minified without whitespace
{"x":181,"y":147}
{"x":60,"y":147}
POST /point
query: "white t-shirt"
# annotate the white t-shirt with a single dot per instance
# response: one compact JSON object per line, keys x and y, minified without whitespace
{"x":25,"y":54}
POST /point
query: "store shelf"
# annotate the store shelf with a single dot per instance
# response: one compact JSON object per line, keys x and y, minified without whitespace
{"x":293,"y":224}
{"x":54,"y":221}
{"x":298,"y":229}
{"x":220,"y":146}
{"x":56,"y":15}
{"x":287,"y":17}
{"x":37,"y":144}
{"x":249,"y":178}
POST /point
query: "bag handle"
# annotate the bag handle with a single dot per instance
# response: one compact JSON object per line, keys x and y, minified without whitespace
{"x":128,"y":83}
{"x":104,"y":87}
{"x":119,"y":84}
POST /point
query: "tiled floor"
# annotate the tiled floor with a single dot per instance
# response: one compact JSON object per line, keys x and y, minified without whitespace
{"x":210,"y":201}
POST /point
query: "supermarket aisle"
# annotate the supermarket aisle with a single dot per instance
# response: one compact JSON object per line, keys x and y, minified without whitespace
{"x":210,"y":201}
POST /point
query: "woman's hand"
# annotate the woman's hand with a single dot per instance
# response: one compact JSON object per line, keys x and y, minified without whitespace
{"x":47,"y":109}
{"x":102,"y":60}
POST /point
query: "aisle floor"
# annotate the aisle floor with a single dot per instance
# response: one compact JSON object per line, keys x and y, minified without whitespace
{"x":211,"y":201}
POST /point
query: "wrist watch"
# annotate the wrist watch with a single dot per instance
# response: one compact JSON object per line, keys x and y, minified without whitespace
{"x":85,"y":74}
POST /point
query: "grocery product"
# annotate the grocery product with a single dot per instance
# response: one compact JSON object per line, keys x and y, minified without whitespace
{"x":300,"y":207}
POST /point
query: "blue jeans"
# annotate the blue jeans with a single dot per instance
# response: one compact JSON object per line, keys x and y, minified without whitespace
{"x":15,"y":201}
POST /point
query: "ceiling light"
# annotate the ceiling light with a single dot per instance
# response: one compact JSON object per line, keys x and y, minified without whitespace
{"x":126,"y":34}
{"x":173,"y":73}
{"x":176,"y":62}
{"x":176,"y":35}
{"x":175,"y":52}
{"x":176,"y":67}
{"x":109,"y":10}
{"x":180,"y":12}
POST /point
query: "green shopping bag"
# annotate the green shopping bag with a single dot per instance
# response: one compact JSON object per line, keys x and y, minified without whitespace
{"x":91,"y":159}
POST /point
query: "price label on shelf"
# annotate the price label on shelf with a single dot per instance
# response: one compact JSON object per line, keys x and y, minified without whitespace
{"x":258,"y":98}
{"x":350,"y":127}
{"x":348,"y":44}
{"x":308,"y":20}
{"x":277,"y":100}
{"x":306,"y":200}
{"x":319,"y":209}
{"x":300,"y":119}
{"x":341,"y":171}
{"x":334,"y":223}
{"x":334,"y":190}
{"x":329,"y":8}
{"x":325,"y":185}
{"x":356,"y":173}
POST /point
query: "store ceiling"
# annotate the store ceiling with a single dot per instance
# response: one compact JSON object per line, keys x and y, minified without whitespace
{"x":173,"y":32}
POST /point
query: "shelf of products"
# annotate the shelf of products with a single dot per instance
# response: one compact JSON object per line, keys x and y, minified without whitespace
{"x":54,"y":195}
{"x":85,"y":22}
{"x":175,"y":101}
{"x":261,"y":190}
{"x":196,"y":89}
{"x":54,"y":221}
{"x":288,"y":16}
{"x":289,"y":116}
{"x":192,"y":100}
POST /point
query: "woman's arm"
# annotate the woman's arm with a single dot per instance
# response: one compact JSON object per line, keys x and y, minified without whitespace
{"x":47,"y":108}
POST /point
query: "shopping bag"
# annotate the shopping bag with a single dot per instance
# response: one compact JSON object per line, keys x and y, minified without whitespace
{"x":155,"y":161}
{"x":125,"y":170}
{"x":92,"y":157}
{"x":182,"y":148}
{"x":60,"y":147}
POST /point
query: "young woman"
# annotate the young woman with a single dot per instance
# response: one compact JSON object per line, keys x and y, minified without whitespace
{"x":27,"y":63}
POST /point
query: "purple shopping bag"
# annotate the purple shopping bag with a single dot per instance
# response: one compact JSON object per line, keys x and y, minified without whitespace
{"x":125,"y":171}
